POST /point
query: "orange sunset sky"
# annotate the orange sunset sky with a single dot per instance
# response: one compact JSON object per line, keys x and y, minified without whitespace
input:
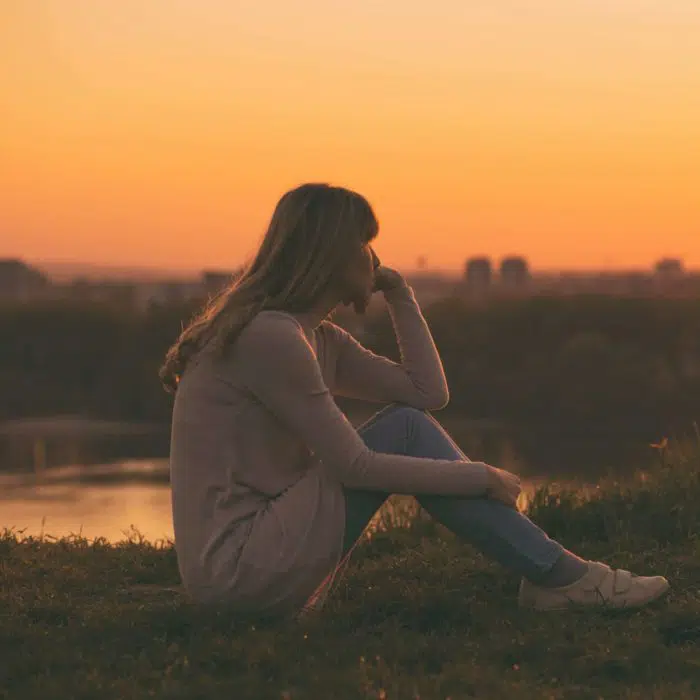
{"x":162,"y":132}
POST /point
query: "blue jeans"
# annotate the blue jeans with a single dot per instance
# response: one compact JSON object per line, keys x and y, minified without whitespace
{"x":499,"y":532}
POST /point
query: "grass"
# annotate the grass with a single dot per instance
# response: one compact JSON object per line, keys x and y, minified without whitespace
{"x":419,"y":615}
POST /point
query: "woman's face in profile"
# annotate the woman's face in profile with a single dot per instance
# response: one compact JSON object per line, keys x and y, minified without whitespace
{"x":359,"y":277}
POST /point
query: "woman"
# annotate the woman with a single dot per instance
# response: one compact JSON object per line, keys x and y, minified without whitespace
{"x":272,"y":486}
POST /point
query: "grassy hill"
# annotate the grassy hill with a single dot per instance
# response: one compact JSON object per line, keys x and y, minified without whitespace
{"x":419,"y":615}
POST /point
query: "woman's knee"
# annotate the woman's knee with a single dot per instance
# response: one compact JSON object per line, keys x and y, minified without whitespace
{"x":413,"y":421}
{"x":421,"y":426}
{"x":394,"y":412}
{"x":402,"y":429}
{"x":404,"y":412}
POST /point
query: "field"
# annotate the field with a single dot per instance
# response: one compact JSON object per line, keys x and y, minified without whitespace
{"x":419,"y":615}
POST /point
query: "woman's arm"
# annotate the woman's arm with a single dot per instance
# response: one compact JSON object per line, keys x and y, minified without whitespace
{"x":418,"y":380}
{"x":281,"y":371}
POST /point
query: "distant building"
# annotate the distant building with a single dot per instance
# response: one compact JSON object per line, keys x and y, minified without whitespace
{"x":478,"y":274}
{"x":515,"y":273}
{"x":669,"y":268}
{"x":20,"y":281}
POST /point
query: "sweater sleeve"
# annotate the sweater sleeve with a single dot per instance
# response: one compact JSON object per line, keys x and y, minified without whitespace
{"x":280,"y":369}
{"x":418,"y":380}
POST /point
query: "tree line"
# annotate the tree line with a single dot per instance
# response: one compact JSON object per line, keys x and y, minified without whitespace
{"x":559,"y":370}
{"x":573,"y":378}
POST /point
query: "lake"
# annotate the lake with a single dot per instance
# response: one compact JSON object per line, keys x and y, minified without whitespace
{"x":94,"y":501}
{"x":97,"y":501}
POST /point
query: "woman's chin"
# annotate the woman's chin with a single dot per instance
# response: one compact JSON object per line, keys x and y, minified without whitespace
{"x":358,"y":304}
{"x":361,"y":304}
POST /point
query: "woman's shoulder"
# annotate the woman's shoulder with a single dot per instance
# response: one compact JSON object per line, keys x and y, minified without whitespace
{"x":269,"y":326}
{"x":270,"y":318}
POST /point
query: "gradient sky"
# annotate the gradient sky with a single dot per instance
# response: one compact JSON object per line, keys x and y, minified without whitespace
{"x":162,"y":132}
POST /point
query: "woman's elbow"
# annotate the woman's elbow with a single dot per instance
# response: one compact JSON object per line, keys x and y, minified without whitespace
{"x":435,"y":400}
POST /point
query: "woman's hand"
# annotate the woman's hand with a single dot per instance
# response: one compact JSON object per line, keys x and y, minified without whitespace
{"x":385,"y":279}
{"x":503,"y":486}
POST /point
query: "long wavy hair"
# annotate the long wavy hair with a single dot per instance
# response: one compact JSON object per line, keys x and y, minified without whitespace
{"x":312,"y":231}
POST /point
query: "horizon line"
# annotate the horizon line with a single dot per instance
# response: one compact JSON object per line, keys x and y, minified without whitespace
{"x":194,"y":271}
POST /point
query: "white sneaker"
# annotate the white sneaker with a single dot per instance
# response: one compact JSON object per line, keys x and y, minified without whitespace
{"x":601,"y":586}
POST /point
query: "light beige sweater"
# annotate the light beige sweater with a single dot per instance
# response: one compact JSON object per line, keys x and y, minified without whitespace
{"x":260,"y":453}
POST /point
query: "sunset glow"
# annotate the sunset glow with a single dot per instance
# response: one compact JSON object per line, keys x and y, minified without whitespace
{"x":162,"y":132}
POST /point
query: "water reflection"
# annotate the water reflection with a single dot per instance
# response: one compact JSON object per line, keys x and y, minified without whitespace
{"x":100,"y":501}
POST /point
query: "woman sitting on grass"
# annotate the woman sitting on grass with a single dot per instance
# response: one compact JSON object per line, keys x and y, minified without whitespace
{"x":272,"y":486}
